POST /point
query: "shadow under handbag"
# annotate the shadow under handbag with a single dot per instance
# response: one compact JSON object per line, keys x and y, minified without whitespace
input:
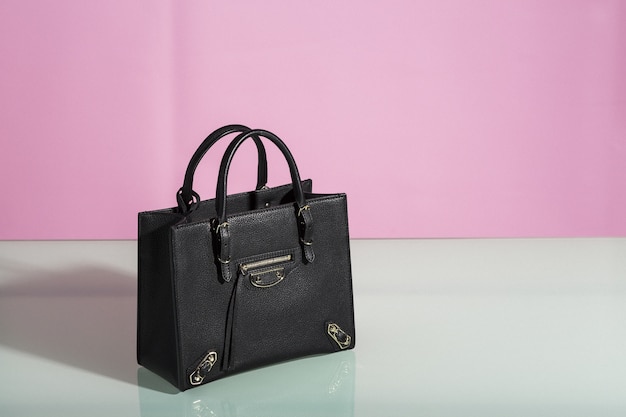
{"x":242,"y":281}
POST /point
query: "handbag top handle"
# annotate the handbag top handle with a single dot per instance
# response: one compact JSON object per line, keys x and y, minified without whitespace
{"x":305,"y":219}
{"x":220,"y":196}
{"x":186,"y":197}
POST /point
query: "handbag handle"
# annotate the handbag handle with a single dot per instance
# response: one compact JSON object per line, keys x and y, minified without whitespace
{"x":220,"y":196}
{"x":303,"y":212}
{"x":186,"y":197}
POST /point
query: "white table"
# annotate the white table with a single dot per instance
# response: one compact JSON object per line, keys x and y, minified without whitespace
{"x":473,"y":327}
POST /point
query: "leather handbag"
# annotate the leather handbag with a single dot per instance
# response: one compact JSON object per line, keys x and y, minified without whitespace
{"x":245,"y":280}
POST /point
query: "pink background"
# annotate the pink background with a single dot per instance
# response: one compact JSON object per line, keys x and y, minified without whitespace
{"x":438,"y":118}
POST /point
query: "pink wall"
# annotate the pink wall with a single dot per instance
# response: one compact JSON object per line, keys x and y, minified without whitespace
{"x":439,"y":118}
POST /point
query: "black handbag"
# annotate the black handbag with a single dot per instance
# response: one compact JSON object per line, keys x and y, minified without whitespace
{"x":245,"y":280}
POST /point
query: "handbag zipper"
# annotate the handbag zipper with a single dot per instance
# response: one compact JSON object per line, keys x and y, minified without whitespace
{"x":244,"y":268}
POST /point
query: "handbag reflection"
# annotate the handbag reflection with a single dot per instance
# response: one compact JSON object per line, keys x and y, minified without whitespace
{"x":244,"y":280}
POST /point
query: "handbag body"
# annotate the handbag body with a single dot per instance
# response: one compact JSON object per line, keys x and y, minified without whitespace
{"x":243,"y":281}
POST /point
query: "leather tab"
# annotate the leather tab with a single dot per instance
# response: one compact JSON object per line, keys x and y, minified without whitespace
{"x":305,"y":221}
{"x":223,"y":257}
{"x":187,"y":206}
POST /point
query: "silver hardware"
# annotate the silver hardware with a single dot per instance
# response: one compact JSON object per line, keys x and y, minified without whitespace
{"x":277,"y":276}
{"x":225,"y":262}
{"x":203,"y":368}
{"x":217,"y":228}
{"x":338,"y":335}
{"x":244,"y":268}
{"x":305,"y":207}
{"x":305,"y":243}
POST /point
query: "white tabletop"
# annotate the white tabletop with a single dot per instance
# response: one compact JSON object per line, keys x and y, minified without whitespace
{"x":468,"y":327}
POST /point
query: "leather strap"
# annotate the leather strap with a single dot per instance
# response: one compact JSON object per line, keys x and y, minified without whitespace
{"x":305,"y":222}
{"x":223,"y":236}
{"x":186,"y":197}
{"x":305,"y":217}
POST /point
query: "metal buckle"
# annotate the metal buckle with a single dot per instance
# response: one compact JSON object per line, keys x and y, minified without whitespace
{"x":216,"y":228}
{"x":301,"y":209}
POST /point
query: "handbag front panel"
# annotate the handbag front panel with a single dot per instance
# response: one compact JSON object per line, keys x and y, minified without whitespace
{"x":289,"y":319}
{"x":248,"y":325}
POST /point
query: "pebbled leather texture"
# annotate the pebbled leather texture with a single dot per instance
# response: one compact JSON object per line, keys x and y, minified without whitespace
{"x":191,"y":305}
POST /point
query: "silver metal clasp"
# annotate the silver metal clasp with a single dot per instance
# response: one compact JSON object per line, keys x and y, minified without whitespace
{"x":267,"y":272}
{"x":203,"y":368}
{"x":342,"y":338}
{"x":267,"y":278}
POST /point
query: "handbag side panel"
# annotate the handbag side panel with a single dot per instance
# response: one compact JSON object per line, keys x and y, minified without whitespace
{"x":201,"y":300}
{"x":156,"y":333}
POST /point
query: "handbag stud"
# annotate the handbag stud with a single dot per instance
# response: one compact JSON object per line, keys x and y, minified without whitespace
{"x":203,"y":368}
{"x":339,"y":336}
